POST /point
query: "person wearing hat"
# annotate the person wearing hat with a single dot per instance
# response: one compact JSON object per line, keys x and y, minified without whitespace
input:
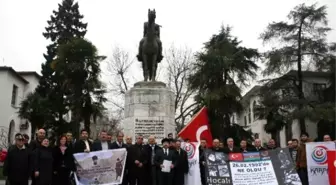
{"x":95,"y":160}
{"x":301,"y":162}
{"x":17,"y":166}
{"x":165,"y":154}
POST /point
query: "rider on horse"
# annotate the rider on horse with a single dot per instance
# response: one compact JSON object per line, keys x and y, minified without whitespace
{"x":157,"y":32}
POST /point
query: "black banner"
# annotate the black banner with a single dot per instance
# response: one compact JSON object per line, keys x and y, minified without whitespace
{"x":270,"y":167}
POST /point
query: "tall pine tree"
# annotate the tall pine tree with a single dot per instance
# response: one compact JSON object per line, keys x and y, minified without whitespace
{"x":64,"y":24}
{"x":301,"y":40}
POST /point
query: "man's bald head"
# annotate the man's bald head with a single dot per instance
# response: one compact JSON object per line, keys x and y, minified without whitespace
{"x":41,"y":133}
{"x":151,"y":140}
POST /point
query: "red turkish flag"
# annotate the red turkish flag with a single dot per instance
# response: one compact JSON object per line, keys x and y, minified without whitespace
{"x":332,"y":166}
{"x":198,"y":128}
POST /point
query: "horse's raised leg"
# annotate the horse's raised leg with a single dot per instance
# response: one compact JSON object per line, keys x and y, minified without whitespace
{"x":154,"y":58}
{"x":145,"y":67}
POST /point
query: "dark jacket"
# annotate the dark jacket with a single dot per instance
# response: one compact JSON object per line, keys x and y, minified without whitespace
{"x":259,"y":149}
{"x":115,"y":145}
{"x":34,"y":144}
{"x":182,"y":167}
{"x":97,"y":146}
{"x":160,"y":157}
{"x":227,"y":150}
{"x":44,"y":165}
{"x":18,"y":165}
{"x":63,"y":161}
{"x":202,"y":167}
{"x":80,"y":146}
{"x":136,"y":152}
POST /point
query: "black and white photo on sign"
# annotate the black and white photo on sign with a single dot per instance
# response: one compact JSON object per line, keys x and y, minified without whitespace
{"x":223,"y":171}
{"x":284,"y":167}
{"x":211,"y":159}
{"x":213,"y":171}
{"x":291,"y":177}
{"x":284,"y":159}
{"x":220,"y":158}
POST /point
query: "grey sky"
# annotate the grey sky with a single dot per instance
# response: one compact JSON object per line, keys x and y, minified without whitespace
{"x":110,"y":23}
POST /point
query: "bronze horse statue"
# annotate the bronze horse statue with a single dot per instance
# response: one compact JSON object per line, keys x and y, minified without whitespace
{"x":150,"y":49}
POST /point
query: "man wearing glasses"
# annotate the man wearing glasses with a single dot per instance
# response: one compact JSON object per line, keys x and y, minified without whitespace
{"x":17,"y":166}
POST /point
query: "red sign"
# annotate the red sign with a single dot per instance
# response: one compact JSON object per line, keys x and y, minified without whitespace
{"x":332,"y":166}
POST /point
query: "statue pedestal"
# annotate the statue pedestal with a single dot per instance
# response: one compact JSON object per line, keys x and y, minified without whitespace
{"x":149,"y":110}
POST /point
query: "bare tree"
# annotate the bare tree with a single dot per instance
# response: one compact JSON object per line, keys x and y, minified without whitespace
{"x":118,"y":68}
{"x":179,"y":66}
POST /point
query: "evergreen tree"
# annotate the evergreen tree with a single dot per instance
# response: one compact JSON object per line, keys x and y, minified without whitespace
{"x":64,"y":24}
{"x":302,"y":40}
{"x":219,"y":70}
{"x":78,"y":63}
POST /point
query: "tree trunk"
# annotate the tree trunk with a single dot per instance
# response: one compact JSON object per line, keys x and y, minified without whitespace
{"x":300,"y":80}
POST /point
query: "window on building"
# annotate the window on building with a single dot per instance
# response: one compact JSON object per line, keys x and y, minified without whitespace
{"x":318,"y":89}
{"x":249,"y":116}
{"x":245,"y":121}
{"x":14,"y":95}
{"x":255,"y":110}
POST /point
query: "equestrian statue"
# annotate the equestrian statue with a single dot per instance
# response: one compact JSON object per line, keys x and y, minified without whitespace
{"x":150,"y":47}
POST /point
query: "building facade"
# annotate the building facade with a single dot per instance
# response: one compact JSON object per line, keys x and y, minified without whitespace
{"x":313,"y":83}
{"x":15,"y":87}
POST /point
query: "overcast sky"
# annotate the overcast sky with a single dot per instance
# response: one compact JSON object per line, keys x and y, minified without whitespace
{"x":111,"y":22}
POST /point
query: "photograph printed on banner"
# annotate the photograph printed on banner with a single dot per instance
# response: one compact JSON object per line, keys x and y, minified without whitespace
{"x":213,"y":171}
{"x":103,"y":167}
{"x":217,"y":168}
{"x":284,"y":167}
{"x":223,"y":171}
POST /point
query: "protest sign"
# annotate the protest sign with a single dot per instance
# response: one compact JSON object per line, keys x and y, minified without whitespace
{"x":269,"y":167}
{"x":193,"y":177}
{"x":317,"y":162}
{"x":100,"y":168}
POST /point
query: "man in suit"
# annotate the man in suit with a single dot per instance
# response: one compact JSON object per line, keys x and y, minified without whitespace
{"x":137,"y":160}
{"x":152,"y":149}
{"x":257,"y":145}
{"x":230,"y":147}
{"x":166,"y":178}
{"x":119,"y":143}
{"x":183,"y":166}
{"x":102,"y":143}
{"x":33,"y":145}
{"x":202,"y":148}
{"x":83,"y":144}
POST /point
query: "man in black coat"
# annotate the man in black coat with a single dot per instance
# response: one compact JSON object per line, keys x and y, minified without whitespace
{"x":33,"y":145}
{"x":257,"y":145}
{"x":137,"y":160}
{"x":166,"y":177}
{"x":83,"y":144}
{"x":152,"y":149}
{"x":119,"y":143}
{"x":230,"y":147}
{"x":183,"y":166}
{"x":18,"y":164}
{"x":102,"y":143}
{"x":202,"y":148}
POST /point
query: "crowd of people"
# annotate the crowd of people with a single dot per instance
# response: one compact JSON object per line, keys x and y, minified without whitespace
{"x":46,"y":165}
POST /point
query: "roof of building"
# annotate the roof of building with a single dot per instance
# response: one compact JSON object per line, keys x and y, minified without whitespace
{"x":317,"y":74}
{"x":11,"y":70}
{"x":33,"y":73}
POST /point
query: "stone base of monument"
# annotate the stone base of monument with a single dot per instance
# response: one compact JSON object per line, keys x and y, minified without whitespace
{"x":149,"y":110}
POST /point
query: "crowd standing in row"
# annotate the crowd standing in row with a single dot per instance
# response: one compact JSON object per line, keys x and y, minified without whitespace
{"x":46,"y":165}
